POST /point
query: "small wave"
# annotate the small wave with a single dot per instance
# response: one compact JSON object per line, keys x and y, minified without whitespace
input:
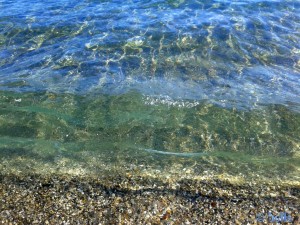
{"x":182,"y":154}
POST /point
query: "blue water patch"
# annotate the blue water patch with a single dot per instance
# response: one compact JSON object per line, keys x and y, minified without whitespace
{"x":240,"y":51}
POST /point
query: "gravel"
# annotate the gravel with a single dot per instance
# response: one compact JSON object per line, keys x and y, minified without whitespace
{"x":133,"y":199}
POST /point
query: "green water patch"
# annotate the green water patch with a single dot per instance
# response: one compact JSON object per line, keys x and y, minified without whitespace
{"x":65,"y":131}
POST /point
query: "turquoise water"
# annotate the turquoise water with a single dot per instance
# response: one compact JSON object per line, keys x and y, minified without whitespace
{"x":206,"y":86}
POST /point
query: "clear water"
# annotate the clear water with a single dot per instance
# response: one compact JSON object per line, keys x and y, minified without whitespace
{"x":211,"y":87}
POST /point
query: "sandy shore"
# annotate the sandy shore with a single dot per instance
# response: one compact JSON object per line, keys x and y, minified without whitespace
{"x":126,"y":199}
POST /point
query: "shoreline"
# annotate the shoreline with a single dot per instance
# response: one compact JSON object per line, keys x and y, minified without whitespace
{"x":31,"y":198}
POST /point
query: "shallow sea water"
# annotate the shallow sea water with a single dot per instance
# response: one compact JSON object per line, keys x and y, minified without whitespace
{"x":183,"y":88}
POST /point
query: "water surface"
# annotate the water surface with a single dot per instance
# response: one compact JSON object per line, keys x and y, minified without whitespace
{"x":206,"y":86}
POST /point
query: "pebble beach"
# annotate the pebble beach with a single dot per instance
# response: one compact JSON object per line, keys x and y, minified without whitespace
{"x":149,"y":112}
{"x":130,"y":199}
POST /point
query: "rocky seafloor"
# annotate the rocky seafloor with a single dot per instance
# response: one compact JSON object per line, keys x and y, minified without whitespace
{"x":124,"y":198}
